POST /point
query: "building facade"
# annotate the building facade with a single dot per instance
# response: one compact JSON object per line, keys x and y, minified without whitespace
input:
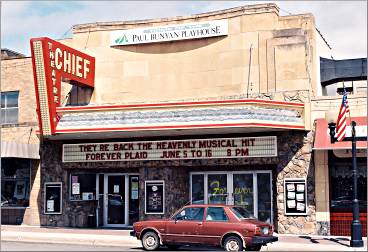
{"x":209,"y":108}
{"x":333,"y":162}
{"x":20,"y":178}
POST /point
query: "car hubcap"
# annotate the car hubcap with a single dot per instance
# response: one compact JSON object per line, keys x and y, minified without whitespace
{"x":150,"y":241}
{"x":232,"y":245}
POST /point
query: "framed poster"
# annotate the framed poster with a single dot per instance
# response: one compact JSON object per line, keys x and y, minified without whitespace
{"x":53,"y":197}
{"x":20,"y":189}
{"x":295,"y":196}
{"x":154,"y":197}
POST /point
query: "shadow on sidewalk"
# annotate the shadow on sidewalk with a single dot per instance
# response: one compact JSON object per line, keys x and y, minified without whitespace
{"x":335,"y":240}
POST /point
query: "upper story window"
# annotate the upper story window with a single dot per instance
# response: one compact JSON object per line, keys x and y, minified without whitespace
{"x":79,"y":96}
{"x":9,"y":107}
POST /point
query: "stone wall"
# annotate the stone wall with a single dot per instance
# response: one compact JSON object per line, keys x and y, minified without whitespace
{"x":296,"y":162}
{"x":293,"y":160}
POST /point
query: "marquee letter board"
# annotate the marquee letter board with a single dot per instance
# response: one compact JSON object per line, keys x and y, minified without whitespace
{"x":295,"y":196}
{"x":155,"y":197}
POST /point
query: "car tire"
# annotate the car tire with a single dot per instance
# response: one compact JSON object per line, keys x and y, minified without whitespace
{"x":233,"y":243}
{"x":150,"y":241}
{"x":254,"y":248}
{"x":172,"y":247}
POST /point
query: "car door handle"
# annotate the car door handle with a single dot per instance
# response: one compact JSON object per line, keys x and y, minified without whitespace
{"x":199,"y":223}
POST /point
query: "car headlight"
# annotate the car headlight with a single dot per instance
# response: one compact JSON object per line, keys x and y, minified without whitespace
{"x":265,"y":230}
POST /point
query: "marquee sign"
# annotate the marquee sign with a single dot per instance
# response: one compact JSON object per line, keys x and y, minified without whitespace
{"x":242,"y":147}
{"x":169,"y":33}
{"x":52,"y":61}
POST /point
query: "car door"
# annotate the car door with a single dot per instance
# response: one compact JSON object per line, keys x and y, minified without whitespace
{"x":185,"y":226}
{"x":215,"y":225}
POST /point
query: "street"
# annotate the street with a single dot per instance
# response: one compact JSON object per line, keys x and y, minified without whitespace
{"x":36,"y":246}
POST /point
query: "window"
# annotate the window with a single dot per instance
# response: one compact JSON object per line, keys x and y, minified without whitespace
{"x":216,"y":214}
{"x":341,"y":180}
{"x":198,"y":189}
{"x":82,"y":186}
{"x":79,"y":96}
{"x":242,"y":213}
{"x":9,"y":107}
{"x":191,"y":214}
{"x":15,"y":182}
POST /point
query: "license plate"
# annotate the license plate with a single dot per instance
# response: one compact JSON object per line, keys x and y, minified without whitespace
{"x":265,"y":230}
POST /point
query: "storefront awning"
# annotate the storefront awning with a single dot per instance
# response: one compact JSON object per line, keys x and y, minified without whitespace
{"x":323,"y":140}
{"x":19,"y":150}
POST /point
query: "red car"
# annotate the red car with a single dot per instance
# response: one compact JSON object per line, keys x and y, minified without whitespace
{"x":231,"y":227}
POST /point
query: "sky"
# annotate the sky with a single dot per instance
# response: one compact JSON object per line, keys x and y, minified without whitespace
{"x":342,"y":23}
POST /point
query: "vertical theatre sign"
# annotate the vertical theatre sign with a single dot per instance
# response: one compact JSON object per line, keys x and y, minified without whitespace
{"x":53,"y":61}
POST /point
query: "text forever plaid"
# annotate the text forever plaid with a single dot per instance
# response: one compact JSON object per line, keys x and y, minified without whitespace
{"x":341,"y":120}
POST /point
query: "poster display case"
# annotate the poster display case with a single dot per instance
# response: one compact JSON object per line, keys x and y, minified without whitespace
{"x":295,"y":196}
{"x":154,"y":197}
{"x":53,"y":198}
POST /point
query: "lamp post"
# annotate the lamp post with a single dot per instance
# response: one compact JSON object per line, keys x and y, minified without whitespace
{"x":356,"y":227}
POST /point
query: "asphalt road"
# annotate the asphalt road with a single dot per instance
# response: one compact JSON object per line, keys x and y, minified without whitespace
{"x":33,"y":246}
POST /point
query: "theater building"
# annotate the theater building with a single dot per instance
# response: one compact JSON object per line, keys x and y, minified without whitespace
{"x":151,"y":115}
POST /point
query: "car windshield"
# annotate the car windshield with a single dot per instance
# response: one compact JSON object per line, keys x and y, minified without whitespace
{"x":242,"y":213}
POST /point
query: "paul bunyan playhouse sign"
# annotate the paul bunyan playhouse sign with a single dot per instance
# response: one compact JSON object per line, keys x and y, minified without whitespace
{"x":169,"y":33}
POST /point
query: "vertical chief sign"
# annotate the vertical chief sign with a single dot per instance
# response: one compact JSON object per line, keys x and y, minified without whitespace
{"x":52,"y":61}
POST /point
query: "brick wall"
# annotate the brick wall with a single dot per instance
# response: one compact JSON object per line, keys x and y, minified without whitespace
{"x":17,"y":75}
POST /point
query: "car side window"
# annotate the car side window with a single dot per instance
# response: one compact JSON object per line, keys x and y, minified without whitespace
{"x":216,"y":214}
{"x":191,"y":214}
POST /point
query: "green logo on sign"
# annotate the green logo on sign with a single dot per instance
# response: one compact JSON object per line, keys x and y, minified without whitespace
{"x":121,"y":40}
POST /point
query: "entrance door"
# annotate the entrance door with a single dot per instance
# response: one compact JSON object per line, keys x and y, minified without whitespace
{"x":133,"y":199}
{"x":243,"y":191}
{"x":121,"y":199}
{"x":251,"y":189}
{"x":115,"y":200}
{"x":217,"y":189}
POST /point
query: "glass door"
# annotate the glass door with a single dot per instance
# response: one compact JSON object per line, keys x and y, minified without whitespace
{"x":243,"y":194}
{"x":133,"y":199}
{"x":115,"y":200}
{"x":217,"y":189}
{"x":250,"y":189}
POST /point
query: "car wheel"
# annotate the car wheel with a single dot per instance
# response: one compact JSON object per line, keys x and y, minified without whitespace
{"x":172,"y":247}
{"x":233,"y":243}
{"x":254,"y":248}
{"x":150,"y":241}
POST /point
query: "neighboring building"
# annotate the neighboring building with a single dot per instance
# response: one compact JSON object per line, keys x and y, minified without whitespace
{"x":19,"y":143}
{"x":333,"y":162}
{"x":9,"y":54}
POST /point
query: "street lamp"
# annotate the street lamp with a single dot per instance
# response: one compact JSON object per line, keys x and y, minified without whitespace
{"x":356,"y":227}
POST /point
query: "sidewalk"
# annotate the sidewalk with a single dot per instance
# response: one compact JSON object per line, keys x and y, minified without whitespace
{"x":121,"y":238}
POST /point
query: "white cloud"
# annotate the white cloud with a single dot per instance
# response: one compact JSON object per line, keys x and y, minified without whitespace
{"x":343,"y":24}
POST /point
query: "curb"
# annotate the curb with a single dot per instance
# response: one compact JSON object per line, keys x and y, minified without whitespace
{"x":77,"y":239}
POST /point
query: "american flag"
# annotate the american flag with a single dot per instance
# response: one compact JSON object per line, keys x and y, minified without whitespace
{"x":341,"y":120}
